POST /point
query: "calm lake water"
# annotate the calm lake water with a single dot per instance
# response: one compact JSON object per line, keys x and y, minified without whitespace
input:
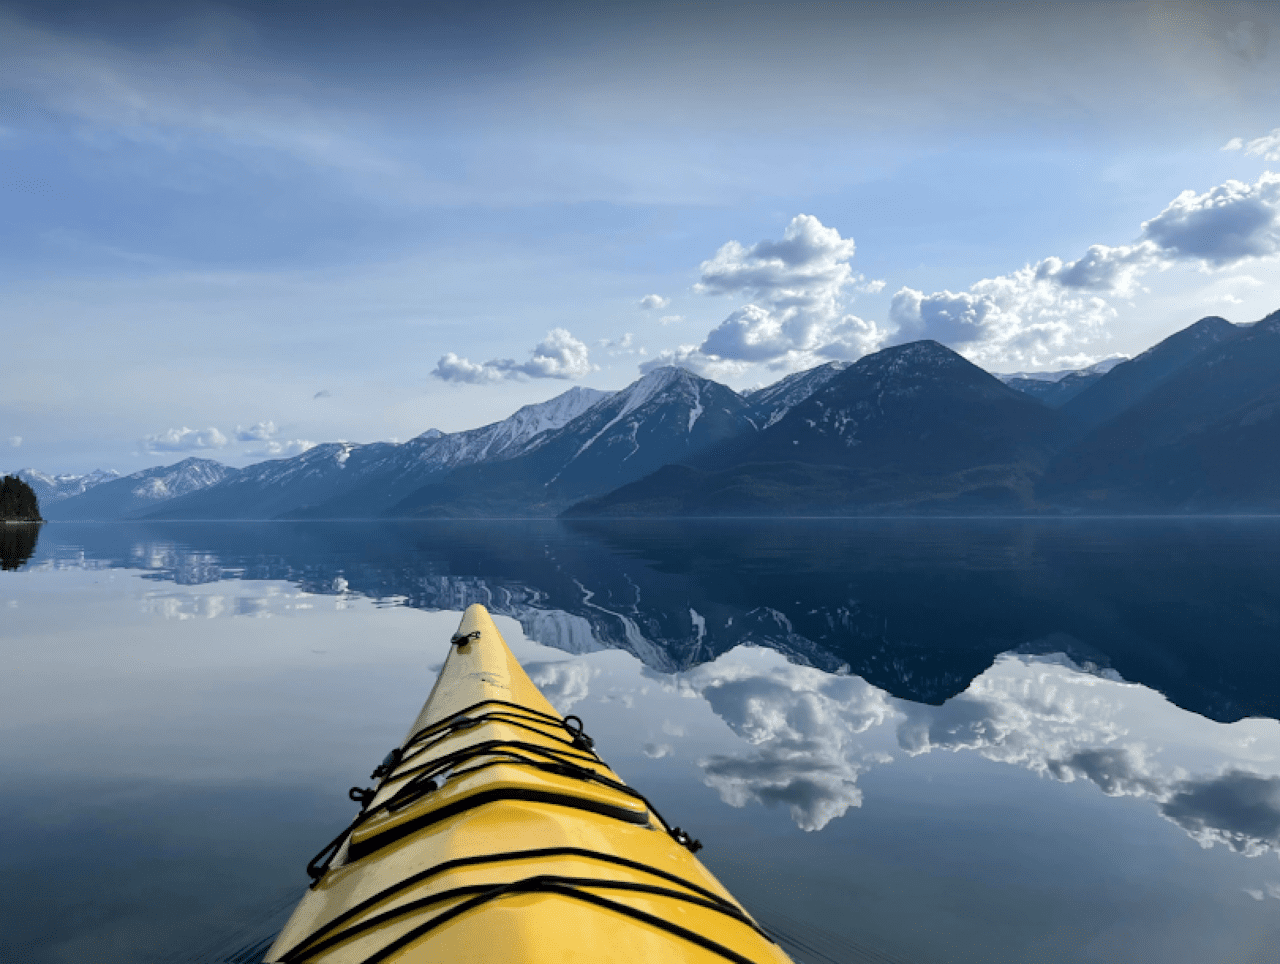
{"x":994,"y":741}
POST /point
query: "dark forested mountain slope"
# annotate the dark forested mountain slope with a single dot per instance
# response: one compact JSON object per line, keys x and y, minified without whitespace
{"x":1130,"y":382}
{"x":1206,"y":439}
{"x":914,"y":427}
{"x":770,"y":403}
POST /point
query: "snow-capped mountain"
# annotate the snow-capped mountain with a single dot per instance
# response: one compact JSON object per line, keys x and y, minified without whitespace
{"x":770,"y":403}
{"x":528,"y":428}
{"x":1057,"y":388}
{"x":340,"y":479}
{"x":55,"y":488}
{"x":911,"y":425}
{"x":137,"y":494}
{"x":667,"y":415}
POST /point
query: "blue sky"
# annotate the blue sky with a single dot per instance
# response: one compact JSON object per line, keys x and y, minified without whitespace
{"x":235,"y":229}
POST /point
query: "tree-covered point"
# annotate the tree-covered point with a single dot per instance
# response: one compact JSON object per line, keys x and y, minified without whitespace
{"x":18,"y":502}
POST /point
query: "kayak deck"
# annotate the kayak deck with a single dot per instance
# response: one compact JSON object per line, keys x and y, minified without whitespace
{"x":498,"y":834}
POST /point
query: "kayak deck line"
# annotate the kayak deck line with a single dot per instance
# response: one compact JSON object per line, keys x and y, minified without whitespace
{"x":497,"y":833}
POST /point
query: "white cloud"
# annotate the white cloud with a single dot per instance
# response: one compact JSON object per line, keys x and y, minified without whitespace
{"x":260,"y":432}
{"x":184,"y":440}
{"x":564,"y":682}
{"x":670,"y":319}
{"x":15,"y":440}
{"x":1042,"y":713}
{"x":656,"y":751}
{"x":1046,"y":313}
{"x":795,"y":315}
{"x":559,"y":355}
{"x":1222,"y":226}
{"x":800,"y":722}
{"x":1016,"y":320}
{"x":653,"y":303}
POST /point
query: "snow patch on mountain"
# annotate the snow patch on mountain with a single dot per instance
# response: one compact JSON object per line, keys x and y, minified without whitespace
{"x":1098,"y":368}
{"x":772,"y":402}
{"x":187,"y":476}
{"x":55,"y":488}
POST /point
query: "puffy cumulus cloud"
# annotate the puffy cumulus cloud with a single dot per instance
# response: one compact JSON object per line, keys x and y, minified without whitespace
{"x":1047,"y":313}
{"x":1020,"y":319}
{"x":15,"y":441}
{"x":454,"y":368}
{"x":795,"y":288}
{"x":809,"y":266}
{"x":653,"y":303}
{"x":564,"y":682}
{"x":1101,"y":268}
{"x":185,"y":440}
{"x":800,"y":723}
{"x":1222,"y":226}
{"x":754,"y":334}
{"x":559,"y":355}
{"x":260,"y":432}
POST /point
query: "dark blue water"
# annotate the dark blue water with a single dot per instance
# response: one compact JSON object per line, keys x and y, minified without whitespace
{"x":927,"y":741}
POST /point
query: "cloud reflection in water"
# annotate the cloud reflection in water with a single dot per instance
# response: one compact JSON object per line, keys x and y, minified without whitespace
{"x":811,"y":735}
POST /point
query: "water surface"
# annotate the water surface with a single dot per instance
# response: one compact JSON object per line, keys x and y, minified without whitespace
{"x":928,"y":741}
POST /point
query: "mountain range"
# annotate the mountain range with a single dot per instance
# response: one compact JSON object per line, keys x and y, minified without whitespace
{"x":1187,"y":426}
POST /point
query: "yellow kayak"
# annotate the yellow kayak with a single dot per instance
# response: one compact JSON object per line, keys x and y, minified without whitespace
{"x":497,"y":834}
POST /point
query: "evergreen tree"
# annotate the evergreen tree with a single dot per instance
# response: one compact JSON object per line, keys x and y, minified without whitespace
{"x":18,"y":502}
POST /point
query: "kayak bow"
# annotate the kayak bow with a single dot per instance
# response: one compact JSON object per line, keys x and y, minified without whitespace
{"x":497,"y":834}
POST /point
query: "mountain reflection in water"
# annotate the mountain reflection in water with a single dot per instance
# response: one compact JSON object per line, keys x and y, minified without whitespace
{"x":919,"y":609}
{"x":946,"y":741}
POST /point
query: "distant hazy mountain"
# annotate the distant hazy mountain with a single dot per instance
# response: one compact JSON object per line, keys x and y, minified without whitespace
{"x":911,"y":428}
{"x":770,"y":403}
{"x":342,"y":479}
{"x":1206,"y":438}
{"x":666,"y":416}
{"x":433,"y":454}
{"x":1055,"y":389}
{"x":1130,"y":382}
{"x":55,"y":488}
{"x":137,"y":494}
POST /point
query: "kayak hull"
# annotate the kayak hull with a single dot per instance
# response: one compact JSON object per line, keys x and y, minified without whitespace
{"x":497,"y":834}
